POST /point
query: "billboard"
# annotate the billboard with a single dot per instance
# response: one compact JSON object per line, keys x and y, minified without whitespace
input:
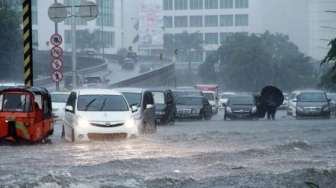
{"x":151,"y":24}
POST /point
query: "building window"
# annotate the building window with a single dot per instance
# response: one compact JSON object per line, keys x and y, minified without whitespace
{"x":224,"y":36}
{"x":242,"y":4}
{"x":211,"y":38}
{"x":167,"y":4}
{"x":211,"y":21}
{"x":196,"y":21}
{"x":168,"y":21}
{"x":226,"y":4}
{"x":211,"y":4}
{"x":241,"y":20}
{"x":181,"y":4}
{"x":226,"y":20}
{"x":196,"y":4}
{"x":35,"y":38}
{"x":181,"y":21}
{"x":109,"y":39}
{"x":105,"y":16}
{"x":34,"y":12}
{"x":68,"y":21}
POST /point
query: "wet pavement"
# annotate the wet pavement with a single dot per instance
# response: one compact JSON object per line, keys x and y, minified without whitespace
{"x":216,"y":153}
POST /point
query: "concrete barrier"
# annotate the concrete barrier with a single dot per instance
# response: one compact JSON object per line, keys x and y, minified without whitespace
{"x":164,"y":76}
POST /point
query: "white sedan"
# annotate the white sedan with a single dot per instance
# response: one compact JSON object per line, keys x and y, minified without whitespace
{"x":98,"y":114}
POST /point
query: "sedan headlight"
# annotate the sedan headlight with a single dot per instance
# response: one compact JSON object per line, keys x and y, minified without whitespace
{"x":130,"y":123}
{"x":82,"y":122}
{"x":254,"y":109}
{"x":298,"y":108}
{"x":326,"y":109}
{"x":136,"y":115}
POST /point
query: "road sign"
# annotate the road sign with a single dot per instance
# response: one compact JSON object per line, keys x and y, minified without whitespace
{"x":56,"y":39}
{"x":56,"y":52}
{"x":57,"y":64}
{"x":57,"y":76}
{"x":57,"y":12}
{"x":88,"y":10}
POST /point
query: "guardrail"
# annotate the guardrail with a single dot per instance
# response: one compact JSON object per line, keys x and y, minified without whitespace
{"x":164,"y":76}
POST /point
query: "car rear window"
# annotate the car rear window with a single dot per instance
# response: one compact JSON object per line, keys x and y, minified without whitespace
{"x":15,"y":102}
{"x":102,"y":103}
{"x":159,"y":97}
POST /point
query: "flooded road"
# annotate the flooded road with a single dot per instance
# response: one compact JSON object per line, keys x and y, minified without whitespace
{"x":282,"y":153}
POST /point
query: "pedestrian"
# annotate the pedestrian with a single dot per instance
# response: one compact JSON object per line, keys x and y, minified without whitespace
{"x":272,"y":98}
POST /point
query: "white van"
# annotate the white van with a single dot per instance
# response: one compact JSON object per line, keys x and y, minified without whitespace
{"x":95,"y":114}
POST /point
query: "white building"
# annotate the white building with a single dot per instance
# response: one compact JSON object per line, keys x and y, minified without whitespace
{"x":212,"y":20}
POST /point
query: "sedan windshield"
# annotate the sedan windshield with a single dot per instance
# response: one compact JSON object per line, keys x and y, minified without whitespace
{"x":241,"y":100}
{"x":189,"y":101}
{"x":312,"y":97}
{"x":102,"y":103}
{"x":132,"y":98}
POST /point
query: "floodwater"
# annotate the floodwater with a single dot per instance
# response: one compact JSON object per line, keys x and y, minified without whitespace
{"x":197,"y":154}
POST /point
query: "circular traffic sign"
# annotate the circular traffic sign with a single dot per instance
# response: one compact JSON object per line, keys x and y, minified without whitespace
{"x":56,"y":52}
{"x":56,"y":39}
{"x":57,"y":76}
{"x":57,"y":64}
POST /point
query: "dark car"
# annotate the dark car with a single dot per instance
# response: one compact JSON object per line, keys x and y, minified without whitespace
{"x":128,"y":64}
{"x":241,"y":107}
{"x":181,"y":92}
{"x":165,"y":107}
{"x":193,"y":107}
{"x":313,"y":103}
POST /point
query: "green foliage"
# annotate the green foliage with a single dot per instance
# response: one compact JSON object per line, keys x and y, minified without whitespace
{"x":11,"y":45}
{"x":249,"y":62}
{"x":328,"y":80}
{"x":183,"y":44}
{"x":312,"y":185}
{"x":89,"y":40}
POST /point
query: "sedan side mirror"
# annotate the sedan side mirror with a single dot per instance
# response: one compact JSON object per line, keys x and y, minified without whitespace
{"x":134,"y":108}
{"x":69,"y":109}
{"x":149,"y":106}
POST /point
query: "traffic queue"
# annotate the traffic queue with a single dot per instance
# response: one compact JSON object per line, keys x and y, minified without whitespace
{"x":27,"y":115}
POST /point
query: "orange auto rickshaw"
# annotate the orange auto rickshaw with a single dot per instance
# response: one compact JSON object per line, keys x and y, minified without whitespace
{"x":25,"y":115}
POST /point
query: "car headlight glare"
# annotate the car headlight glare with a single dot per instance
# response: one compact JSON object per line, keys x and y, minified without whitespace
{"x":254,"y":109}
{"x":326,"y":108}
{"x":298,"y":108}
{"x":82,"y":122}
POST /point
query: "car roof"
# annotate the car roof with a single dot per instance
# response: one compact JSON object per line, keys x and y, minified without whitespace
{"x":130,"y":90}
{"x":97,"y":92}
{"x":308,"y":91}
{"x":60,"y":93}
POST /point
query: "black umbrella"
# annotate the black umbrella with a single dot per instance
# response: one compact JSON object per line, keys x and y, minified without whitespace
{"x":272,"y":96}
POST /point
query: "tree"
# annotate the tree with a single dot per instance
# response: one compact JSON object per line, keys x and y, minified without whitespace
{"x":184,"y":43}
{"x":328,"y":79}
{"x":249,"y":62}
{"x":11,"y":45}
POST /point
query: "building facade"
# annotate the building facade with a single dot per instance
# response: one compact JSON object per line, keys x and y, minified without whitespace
{"x":211,"y":20}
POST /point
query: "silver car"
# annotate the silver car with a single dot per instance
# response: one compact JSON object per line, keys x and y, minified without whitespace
{"x":142,"y":103}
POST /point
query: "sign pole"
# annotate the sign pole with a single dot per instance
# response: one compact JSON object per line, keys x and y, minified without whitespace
{"x":56,"y":31}
{"x":28,"y":43}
